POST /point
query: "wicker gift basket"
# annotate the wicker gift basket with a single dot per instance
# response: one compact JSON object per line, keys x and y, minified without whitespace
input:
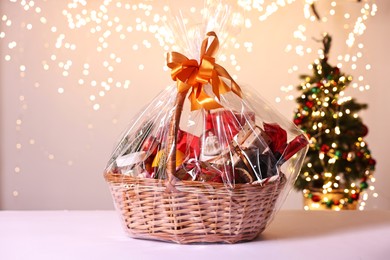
{"x":213,"y":169}
{"x":196,"y":212}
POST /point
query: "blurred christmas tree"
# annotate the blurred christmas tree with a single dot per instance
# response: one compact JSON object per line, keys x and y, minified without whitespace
{"x":338,"y":165}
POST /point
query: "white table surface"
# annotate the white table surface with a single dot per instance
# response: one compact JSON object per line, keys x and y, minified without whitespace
{"x":99,"y":235}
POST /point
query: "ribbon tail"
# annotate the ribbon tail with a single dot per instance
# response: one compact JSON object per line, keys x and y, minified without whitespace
{"x":233,"y":86}
{"x":219,"y":86}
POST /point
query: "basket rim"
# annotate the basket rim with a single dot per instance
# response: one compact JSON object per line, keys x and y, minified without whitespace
{"x":117,"y":178}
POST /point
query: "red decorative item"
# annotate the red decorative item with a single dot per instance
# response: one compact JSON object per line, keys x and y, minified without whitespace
{"x":148,"y":164}
{"x":309,"y":104}
{"x":188,"y":144}
{"x":294,"y":146}
{"x":364,"y":131}
{"x":325,"y":148}
{"x":316,"y":198}
{"x":278,"y":137}
{"x":298,"y":121}
{"x":372,"y":161}
{"x":355,"y":196}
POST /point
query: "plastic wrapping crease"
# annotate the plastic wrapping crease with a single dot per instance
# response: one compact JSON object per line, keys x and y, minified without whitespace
{"x":211,"y":168}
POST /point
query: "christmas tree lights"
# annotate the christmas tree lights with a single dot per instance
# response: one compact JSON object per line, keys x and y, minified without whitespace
{"x":339,"y":165}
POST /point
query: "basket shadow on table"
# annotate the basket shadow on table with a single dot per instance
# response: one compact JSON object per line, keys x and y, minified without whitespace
{"x":300,"y":224}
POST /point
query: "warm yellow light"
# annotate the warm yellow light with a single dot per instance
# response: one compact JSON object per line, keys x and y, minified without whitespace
{"x":328,"y":174}
{"x":315,"y":205}
{"x":327,"y":185}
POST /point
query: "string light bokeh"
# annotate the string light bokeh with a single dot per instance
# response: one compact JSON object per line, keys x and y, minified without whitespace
{"x":353,"y":28}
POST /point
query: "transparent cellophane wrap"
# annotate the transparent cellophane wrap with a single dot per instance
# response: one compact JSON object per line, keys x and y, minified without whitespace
{"x":189,"y":174}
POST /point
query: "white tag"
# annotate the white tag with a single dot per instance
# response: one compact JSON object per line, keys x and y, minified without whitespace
{"x":131,"y":159}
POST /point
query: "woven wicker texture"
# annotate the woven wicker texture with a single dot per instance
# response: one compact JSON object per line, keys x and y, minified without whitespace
{"x":197,"y":213}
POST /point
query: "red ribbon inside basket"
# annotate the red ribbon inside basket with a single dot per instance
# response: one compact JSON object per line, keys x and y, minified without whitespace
{"x":188,"y":144}
{"x":278,"y":142}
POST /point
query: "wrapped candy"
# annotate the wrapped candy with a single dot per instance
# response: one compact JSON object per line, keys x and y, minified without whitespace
{"x":207,"y":160}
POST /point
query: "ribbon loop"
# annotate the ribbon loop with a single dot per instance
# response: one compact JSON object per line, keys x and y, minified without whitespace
{"x":189,"y":74}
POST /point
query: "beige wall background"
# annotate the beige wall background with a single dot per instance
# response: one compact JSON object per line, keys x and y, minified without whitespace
{"x":67,"y":93}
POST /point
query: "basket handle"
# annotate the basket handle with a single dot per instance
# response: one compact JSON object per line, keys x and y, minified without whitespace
{"x":172,"y":140}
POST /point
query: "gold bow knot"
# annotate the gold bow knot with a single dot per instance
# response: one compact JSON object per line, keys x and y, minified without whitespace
{"x":189,"y":74}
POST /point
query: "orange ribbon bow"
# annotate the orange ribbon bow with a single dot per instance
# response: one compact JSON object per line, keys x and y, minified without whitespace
{"x":189,"y":74}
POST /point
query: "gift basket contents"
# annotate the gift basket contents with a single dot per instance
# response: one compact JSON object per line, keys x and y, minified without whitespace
{"x":207,"y":160}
